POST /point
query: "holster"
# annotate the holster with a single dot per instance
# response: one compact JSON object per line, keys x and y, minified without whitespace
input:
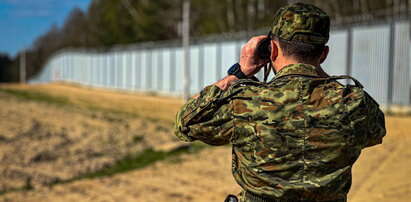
{"x":251,"y":197}
{"x":231,"y":198}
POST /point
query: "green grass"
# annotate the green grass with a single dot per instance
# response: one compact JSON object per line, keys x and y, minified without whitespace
{"x":139,"y":161}
{"x":128,"y":163}
{"x":26,"y":187}
{"x":138,"y":139}
{"x":30,"y":95}
{"x":43,"y":97}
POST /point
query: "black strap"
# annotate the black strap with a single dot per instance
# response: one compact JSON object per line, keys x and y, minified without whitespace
{"x":267,"y":71}
{"x":357,"y":83}
{"x":258,"y":198}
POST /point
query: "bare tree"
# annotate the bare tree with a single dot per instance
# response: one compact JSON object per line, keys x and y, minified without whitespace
{"x":292,"y":1}
{"x":130,"y":9}
{"x":364,"y":7}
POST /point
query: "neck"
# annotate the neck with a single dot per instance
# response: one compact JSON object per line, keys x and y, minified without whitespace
{"x":280,"y":64}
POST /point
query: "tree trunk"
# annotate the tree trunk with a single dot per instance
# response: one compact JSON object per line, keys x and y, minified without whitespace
{"x":228,"y":16}
{"x":256,"y":12}
{"x":338,"y":10}
{"x":235,"y":14}
{"x":245,"y":15}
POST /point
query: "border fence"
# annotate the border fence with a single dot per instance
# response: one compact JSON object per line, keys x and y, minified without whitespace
{"x":378,"y":55}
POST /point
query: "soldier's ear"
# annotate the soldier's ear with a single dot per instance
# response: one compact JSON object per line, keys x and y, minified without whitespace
{"x":324,"y":54}
{"x":274,"y":51}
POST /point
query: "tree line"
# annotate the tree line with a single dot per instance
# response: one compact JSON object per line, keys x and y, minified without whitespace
{"x":114,"y":22}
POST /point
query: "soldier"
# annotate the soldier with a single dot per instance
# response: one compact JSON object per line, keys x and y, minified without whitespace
{"x":296,"y":137}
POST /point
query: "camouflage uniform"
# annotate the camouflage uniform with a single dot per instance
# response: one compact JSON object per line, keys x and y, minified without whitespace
{"x":294,"y":138}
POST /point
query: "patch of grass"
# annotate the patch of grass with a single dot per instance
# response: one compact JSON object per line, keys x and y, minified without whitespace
{"x":36,"y":96}
{"x":138,"y":139}
{"x":43,"y":97}
{"x":26,"y":187}
{"x":32,"y":95}
{"x":139,"y":161}
{"x":112,"y":114}
{"x":128,"y":163}
{"x":161,"y":128}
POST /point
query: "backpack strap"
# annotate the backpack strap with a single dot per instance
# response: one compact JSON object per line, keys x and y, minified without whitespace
{"x":357,"y":83}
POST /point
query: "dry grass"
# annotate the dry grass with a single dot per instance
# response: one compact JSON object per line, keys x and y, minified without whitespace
{"x":54,"y":133}
{"x":142,"y":105}
{"x":381,"y":174}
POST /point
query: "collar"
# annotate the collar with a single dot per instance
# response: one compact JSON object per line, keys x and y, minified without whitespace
{"x":298,"y":69}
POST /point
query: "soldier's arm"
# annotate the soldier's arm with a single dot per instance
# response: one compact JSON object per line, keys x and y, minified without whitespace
{"x":373,"y":125}
{"x":207,"y":118}
{"x":376,"y":124}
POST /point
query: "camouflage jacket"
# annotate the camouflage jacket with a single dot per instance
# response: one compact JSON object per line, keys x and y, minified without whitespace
{"x":293,"y":138}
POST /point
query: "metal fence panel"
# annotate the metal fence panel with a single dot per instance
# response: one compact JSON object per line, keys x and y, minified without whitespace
{"x":167,"y":71}
{"x":371,"y":58}
{"x":194,"y":69}
{"x":154,"y":70}
{"x":336,"y":62}
{"x":228,"y":57}
{"x":178,"y":72}
{"x":401,"y":85}
{"x":159,"y":73}
{"x":362,"y":51}
{"x":143,"y":71}
{"x":210,"y":64}
{"x":133,"y":72}
{"x":123,"y":69}
{"x":139,"y":67}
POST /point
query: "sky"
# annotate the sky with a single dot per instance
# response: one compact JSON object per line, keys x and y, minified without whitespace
{"x":22,"y":21}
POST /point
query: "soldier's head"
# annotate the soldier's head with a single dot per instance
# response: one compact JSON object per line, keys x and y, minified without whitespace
{"x":301,"y":32}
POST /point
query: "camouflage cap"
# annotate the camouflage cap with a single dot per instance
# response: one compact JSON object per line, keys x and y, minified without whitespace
{"x":301,"y":22}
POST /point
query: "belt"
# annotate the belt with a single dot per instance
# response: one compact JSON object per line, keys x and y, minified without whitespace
{"x":251,"y":197}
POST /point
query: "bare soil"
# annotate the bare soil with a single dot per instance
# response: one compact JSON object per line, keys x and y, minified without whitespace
{"x":66,"y":136}
{"x":52,"y":133}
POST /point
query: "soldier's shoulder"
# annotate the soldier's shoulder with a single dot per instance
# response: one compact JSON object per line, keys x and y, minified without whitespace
{"x":277,"y":91}
{"x":353,"y":95}
{"x":248,"y":87}
{"x":247,"y":82}
{"x":369,"y":99}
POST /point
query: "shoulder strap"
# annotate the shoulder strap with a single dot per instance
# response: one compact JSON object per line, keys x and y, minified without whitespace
{"x":241,"y":82}
{"x":357,"y":83}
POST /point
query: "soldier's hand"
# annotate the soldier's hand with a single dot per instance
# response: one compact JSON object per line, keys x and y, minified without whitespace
{"x":250,"y":63}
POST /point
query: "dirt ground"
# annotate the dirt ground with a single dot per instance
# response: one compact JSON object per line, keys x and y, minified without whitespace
{"x":381,"y":174}
{"x":51,"y":133}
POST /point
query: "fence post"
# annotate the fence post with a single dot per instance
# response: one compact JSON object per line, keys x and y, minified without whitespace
{"x":219,"y":60}
{"x":186,"y":45}
{"x":149,"y":69}
{"x":23,"y":67}
{"x":160,"y":70}
{"x":201,"y":74}
{"x":172,"y":70}
{"x":125,"y":70}
{"x":139,"y":79}
{"x":391,"y":65}
{"x":349,"y":51}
